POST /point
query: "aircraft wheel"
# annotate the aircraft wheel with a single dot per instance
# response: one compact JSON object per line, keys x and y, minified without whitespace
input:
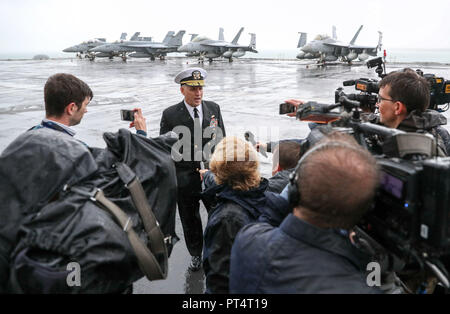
{"x":152,"y":58}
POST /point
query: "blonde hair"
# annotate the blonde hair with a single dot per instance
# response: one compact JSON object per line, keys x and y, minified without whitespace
{"x":235,"y":163}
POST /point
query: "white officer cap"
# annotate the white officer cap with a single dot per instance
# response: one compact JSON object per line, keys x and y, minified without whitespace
{"x":191,"y":77}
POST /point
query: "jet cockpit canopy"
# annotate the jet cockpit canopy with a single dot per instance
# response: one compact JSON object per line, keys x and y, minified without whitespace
{"x":200,"y":38}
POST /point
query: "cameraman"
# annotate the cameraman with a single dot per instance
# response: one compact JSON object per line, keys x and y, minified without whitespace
{"x":306,"y":253}
{"x":403,"y":102}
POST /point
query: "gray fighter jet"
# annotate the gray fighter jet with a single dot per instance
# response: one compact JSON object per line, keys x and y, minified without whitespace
{"x":208,"y":48}
{"x":197,"y":54}
{"x":143,"y":49}
{"x":84,"y":47}
{"x":328,"y":49}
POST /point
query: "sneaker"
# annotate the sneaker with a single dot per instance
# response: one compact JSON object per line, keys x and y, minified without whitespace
{"x":196,"y":263}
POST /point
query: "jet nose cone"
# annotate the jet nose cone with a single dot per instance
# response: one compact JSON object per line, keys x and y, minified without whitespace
{"x":70,"y":49}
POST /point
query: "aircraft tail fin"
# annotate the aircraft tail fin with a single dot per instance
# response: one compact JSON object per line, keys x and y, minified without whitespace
{"x":302,"y":40}
{"x":252,"y":40}
{"x":352,"y":42}
{"x":177,"y":40}
{"x":221,"y":37}
{"x":236,"y":38}
{"x":135,"y":36}
{"x":168,"y":37}
{"x":123,"y":36}
{"x":380,"y":41}
{"x":334,"y":33}
{"x":193,"y":36}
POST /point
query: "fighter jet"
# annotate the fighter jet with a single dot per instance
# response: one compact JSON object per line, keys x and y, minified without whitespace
{"x":329,"y":49}
{"x":143,"y":48}
{"x":196,"y":53}
{"x":145,"y":54}
{"x":84,"y":47}
{"x":210,"y":49}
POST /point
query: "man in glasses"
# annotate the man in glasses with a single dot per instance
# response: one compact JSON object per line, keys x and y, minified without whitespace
{"x":403,"y":102}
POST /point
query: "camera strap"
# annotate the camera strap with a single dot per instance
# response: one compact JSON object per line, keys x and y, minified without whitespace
{"x":152,"y":259}
{"x":146,"y":257}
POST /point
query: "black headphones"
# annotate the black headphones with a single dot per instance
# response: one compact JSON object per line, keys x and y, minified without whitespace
{"x":293,"y":190}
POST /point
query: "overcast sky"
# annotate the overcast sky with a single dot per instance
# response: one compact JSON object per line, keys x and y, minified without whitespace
{"x":52,"y":25}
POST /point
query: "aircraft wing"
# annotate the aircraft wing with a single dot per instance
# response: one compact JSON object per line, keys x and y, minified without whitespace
{"x":223,"y":45}
{"x":147,"y":45}
{"x":235,"y":46}
{"x":348,"y":46}
{"x":336,"y":45}
{"x":362,"y":47}
{"x":213,"y":44}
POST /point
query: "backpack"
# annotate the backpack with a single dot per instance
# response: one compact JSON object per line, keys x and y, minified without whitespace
{"x":98,"y":219}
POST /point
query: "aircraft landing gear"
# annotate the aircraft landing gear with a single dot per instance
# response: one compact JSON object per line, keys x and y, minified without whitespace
{"x":162,"y":58}
{"x":230,"y":60}
{"x":210,"y":60}
{"x":90,"y":56}
{"x":152,"y":57}
{"x":124,"y":57}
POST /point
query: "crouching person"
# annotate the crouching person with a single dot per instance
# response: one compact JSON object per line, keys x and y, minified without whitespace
{"x":330,"y":189}
{"x":236,"y":182}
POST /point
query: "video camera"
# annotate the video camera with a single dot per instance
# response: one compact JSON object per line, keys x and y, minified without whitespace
{"x":409,"y":223}
{"x":439,"y":91}
{"x":368,"y":87}
{"x":410,"y":218}
{"x":439,"y":88}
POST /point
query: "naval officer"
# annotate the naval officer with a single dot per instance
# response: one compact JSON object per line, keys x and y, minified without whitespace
{"x":200,"y":127}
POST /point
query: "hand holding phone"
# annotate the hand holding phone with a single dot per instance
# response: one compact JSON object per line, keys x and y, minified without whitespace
{"x":136,"y":117}
{"x":287,"y":108}
{"x":127,"y":115}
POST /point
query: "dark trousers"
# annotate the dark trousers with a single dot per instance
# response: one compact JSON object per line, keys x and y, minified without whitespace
{"x":189,"y":210}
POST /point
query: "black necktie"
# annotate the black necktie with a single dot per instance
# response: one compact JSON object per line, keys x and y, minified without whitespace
{"x":197,"y":141}
{"x":197,"y":118}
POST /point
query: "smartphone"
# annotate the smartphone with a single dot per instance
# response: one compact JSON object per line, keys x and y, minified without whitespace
{"x":127,"y":115}
{"x":287,"y":108}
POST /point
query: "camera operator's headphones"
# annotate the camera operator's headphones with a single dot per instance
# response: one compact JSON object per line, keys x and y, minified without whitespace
{"x":293,"y":189}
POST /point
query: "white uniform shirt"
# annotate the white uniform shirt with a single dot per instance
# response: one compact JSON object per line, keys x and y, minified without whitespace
{"x":191,"y":111}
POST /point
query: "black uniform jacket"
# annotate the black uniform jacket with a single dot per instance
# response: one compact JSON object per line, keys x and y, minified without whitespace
{"x":213,"y":131}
